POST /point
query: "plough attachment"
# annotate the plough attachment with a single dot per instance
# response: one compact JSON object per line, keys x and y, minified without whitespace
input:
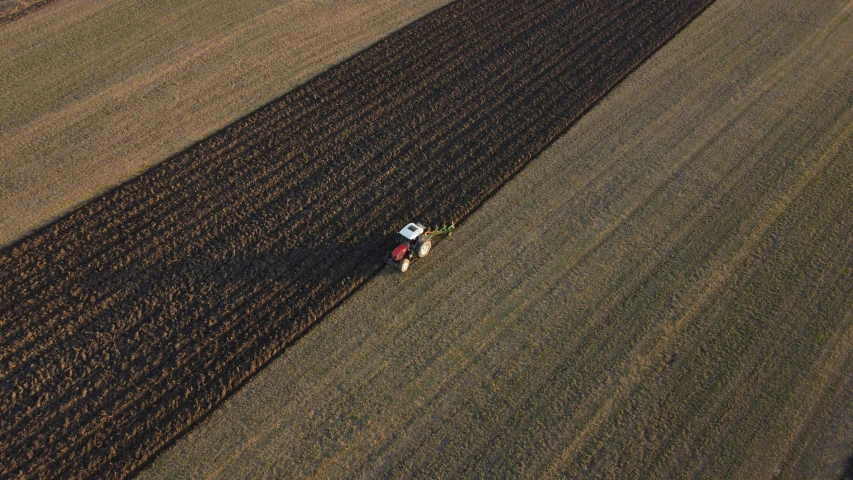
{"x":445,"y":230}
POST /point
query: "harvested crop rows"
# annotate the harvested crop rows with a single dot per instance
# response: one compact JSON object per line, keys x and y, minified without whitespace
{"x":129,"y":319}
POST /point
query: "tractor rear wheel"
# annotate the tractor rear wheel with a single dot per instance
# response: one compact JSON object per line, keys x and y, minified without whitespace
{"x":424,"y":249}
{"x":404,"y":265}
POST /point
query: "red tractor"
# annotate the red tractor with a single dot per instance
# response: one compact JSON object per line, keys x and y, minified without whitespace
{"x":415,"y":242}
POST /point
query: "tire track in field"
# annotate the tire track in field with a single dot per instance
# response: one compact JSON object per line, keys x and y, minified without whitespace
{"x":133,"y":316}
{"x":18,"y":12}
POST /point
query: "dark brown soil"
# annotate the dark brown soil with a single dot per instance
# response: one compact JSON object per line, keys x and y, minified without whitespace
{"x":131,"y":318}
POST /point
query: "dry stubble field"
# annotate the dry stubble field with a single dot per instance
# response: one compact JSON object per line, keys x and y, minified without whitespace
{"x":95,"y":92}
{"x":667,"y":291}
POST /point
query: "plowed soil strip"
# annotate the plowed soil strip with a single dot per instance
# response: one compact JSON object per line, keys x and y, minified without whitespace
{"x":132,"y":317}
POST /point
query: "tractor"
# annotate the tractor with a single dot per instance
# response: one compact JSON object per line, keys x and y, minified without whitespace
{"x":415,"y":242}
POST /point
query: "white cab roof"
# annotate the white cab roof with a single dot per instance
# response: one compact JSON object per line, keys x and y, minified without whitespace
{"x":412,"y":231}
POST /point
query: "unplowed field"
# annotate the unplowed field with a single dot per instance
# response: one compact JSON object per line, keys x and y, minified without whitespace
{"x":129,"y":319}
{"x":666,"y":292}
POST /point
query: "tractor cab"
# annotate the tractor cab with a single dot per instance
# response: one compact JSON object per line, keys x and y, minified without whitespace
{"x":410,"y":234}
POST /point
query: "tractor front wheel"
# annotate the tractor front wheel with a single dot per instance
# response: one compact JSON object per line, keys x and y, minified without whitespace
{"x":404,"y":265}
{"x":423,"y":250}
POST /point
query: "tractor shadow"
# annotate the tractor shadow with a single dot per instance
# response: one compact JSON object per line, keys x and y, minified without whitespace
{"x":847,"y":474}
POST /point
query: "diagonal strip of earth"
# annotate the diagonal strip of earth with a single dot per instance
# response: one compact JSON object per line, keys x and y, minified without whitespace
{"x":129,"y":319}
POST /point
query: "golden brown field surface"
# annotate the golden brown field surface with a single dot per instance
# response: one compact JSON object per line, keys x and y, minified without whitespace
{"x":666,"y":292}
{"x":94,"y":92}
